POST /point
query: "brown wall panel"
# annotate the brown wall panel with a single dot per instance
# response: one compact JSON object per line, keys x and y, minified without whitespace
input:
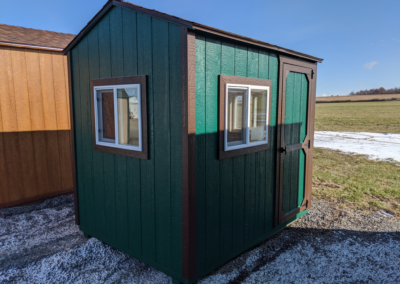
{"x":35,"y":144}
{"x":21,"y":94}
{"x":67,"y":86}
{"x":42,"y":173}
{"x":53,"y":159}
{"x":13,"y":165}
{"x":3,"y":181}
{"x":34,"y":165}
{"x":34,"y":89}
{"x":49,"y":104}
{"x":64,"y":142}
{"x":7,"y":100}
{"x":27,"y":158}
{"x":60,"y":92}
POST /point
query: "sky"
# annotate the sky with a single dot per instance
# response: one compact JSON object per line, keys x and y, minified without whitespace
{"x":359,"y":40}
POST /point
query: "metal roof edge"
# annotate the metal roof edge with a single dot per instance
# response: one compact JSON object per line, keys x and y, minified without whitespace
{"x":22,"y":45}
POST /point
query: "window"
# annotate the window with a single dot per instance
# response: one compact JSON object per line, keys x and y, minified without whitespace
{"x":119,"y":111}
{"x":244,"y":115}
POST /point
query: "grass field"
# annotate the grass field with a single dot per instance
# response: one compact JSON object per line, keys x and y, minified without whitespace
{"x":360,"y":98}
{"x":357,"y":181}
{"x":359,"y":117}
{"x":354,"y":180}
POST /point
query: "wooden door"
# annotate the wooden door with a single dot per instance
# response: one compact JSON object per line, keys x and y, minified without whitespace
{"x":295,"y":138}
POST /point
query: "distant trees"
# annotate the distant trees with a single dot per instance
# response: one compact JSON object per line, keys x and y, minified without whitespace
{"x":378,"y":91}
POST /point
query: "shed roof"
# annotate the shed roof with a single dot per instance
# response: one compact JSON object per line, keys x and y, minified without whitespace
{"x":189,"y":24}
{"x":33,"y":38}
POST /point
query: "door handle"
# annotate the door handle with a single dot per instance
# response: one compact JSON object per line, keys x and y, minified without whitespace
{"x":290,"y":148}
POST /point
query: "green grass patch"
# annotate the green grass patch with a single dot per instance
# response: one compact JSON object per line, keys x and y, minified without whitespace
{"x":356,"y":180}
{"x":359,"y":117}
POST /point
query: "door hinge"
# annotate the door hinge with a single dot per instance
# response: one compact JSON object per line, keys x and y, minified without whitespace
{"x":311,"y":74}
{"x":306,"y":204}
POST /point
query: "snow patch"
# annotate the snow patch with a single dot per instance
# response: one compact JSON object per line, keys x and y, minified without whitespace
{"x":380,"y":146}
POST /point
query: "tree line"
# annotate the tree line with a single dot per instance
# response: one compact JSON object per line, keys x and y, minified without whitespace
{"x":378,"y":91}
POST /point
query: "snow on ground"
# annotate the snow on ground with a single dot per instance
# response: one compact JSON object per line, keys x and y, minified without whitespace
{"x":379,"y":146}
{"x":41,"y":244}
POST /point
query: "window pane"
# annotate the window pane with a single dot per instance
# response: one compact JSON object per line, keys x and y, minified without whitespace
{"x":236,"y":110}
{"x":258,"y":115}
{"x":128,"y":116}
{"x":105,"y":111}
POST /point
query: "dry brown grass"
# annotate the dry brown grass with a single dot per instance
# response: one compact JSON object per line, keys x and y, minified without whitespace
{"x":365,"y":98}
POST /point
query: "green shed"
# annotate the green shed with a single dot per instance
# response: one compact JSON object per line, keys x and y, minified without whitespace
{"x":192,"y":144}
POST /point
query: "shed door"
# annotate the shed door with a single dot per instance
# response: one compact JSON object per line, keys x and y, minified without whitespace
{"x":295,"y":140}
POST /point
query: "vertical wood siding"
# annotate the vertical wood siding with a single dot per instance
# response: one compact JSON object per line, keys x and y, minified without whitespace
{"x":133,"y":205}
{"x":35,"y":147}
{"x":235,"y":197}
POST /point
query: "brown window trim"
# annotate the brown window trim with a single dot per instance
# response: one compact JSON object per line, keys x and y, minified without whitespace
{"x":223,"y":80}
{"x":143,"y":93}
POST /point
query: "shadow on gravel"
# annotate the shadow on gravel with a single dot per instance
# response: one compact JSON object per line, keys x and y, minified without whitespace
{"x":287,"y":239}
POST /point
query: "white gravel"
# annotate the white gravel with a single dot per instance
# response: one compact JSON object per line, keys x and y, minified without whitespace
{"x":41,"y":244}
{"x":381,"y":146}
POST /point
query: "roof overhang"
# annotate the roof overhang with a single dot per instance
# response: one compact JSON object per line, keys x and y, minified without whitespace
{"x":22,"y":45}
{"x":188,"y":24}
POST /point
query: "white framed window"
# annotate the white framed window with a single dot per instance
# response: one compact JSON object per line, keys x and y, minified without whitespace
{"x":246,"y":116}
{"x":118,"y":116}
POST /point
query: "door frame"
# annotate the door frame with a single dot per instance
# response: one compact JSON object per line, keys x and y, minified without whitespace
{"x":286,"y":65}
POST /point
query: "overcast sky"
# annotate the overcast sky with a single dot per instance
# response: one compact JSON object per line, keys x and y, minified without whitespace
{"x":358,"y":39}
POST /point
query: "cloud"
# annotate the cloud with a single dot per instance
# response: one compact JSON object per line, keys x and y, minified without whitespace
{"x":360,"y":83}
{"x":324,"y":95}
{"x":370,"y":65}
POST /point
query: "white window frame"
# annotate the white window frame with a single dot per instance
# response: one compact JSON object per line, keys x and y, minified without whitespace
{"x":116,"y":144}
{"x":247,"y":128}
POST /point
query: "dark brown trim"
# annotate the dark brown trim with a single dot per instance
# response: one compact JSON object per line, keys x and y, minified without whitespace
{"x":188,"y":71}
{"x":287,"y":65}
{"x":245,"y":39}
{"x":73,"y":160}
{"x":223,"y":80}
{"x":36,"y":199}
{"x":187,"y":24}
{"x":143,"y":93}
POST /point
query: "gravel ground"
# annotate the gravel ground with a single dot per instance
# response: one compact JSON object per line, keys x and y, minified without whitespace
{"x":41,"y":244}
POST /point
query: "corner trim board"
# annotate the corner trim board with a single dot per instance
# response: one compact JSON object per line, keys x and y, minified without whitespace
{"x":73,"y":158}
{"x":188,"y":50}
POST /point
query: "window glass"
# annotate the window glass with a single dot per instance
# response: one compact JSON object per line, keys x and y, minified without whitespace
{"x":258,"y":115}
{"x":128,"y":116}
{"x":236,"y":121}
{"x":246,"y":116}
{"x":105,"y":108}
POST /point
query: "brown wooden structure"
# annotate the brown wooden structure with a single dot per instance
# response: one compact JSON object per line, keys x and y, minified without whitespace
{"x":35,"y":143}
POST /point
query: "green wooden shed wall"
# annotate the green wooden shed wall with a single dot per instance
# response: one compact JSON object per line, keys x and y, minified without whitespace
{"x":142,"y":207}
{"x":234,"y":197}
{"x":133,"y":205}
